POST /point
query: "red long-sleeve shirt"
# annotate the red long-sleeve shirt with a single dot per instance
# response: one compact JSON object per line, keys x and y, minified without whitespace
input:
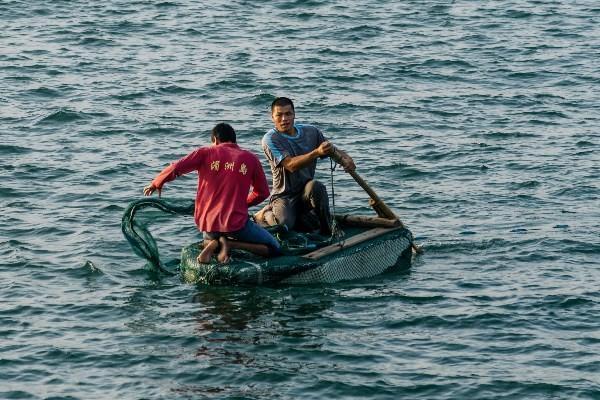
{"x":225,"y":175}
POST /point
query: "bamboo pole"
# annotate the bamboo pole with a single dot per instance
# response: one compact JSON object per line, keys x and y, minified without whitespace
{"x":382,"y":210}
{"x":378,"y":205}
{"x":365,"y":221}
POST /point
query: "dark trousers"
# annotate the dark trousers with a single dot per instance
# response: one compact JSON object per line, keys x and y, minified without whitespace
{"x":308,"y":211}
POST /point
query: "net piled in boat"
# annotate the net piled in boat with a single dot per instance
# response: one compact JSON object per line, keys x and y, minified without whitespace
{"x":360,"y":261}
{"x":389,"y":251}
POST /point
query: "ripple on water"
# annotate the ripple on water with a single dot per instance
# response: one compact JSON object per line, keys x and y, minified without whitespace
{"x":61,"y":116}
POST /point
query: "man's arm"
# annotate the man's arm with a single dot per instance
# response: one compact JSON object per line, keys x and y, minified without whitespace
{"x":166,"y":175}
{"x":260,"y":187}
{"x":293,"y":164}
{"x":183,"y":166}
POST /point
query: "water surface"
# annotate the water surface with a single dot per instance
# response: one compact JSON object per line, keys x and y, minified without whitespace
{"x":476,"y":122}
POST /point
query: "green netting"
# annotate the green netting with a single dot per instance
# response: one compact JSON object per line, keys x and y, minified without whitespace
{"x":137,"y":233}
{"x":389,"y":251}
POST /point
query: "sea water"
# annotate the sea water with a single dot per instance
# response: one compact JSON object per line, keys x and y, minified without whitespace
{"x":476,"y":122}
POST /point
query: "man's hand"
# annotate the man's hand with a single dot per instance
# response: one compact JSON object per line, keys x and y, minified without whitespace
{"x":148,"y":190}
{"x":325,"y":149}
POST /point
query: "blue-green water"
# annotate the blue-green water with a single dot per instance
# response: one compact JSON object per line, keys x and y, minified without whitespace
{"x":477,"y":122}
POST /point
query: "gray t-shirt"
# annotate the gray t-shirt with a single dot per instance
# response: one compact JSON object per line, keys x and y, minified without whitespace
{"x":277,"y":146}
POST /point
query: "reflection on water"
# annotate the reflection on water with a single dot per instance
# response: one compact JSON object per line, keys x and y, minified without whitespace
{"x":256,"y":334}
{"x":231,"y":309}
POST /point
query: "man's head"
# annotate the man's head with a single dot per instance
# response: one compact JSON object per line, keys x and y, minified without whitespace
{"x":222,"y":133}
{"x":283,"y":114}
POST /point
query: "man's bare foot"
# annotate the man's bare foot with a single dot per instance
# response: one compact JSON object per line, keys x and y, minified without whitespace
{"x":223,"y":255}
{"x":207,"y":252}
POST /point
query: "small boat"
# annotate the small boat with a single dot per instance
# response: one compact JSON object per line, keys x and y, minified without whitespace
{"x":361,"y":247}
{"x":363,"y":253}
{"x":370,"y":246}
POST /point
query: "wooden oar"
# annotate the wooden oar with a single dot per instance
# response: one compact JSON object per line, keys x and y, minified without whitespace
{"x":378,"y":205}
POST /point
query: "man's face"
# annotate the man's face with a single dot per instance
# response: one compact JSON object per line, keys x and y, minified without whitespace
{"x":283,"y":118}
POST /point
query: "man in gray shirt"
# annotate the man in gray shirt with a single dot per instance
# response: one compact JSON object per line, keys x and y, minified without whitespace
{"x":292,"y":151}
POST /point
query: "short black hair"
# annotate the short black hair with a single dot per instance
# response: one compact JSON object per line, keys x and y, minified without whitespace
{"x":282,"y":102}
{"x":223,"y":132}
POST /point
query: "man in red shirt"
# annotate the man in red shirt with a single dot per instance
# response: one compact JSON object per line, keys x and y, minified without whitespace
{"x":225,"y":175}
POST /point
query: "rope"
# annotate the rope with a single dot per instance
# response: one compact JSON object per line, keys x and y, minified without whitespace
{"x":337,"y":234}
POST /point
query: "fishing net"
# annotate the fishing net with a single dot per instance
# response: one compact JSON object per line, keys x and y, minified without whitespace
{"x":143,"y":244}
{"x":382,"y":254}
{"x":137,"y":233}
{"x":389,"y":250}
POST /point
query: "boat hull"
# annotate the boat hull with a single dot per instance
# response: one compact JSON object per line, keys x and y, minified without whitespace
{"x":389,"y":250}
